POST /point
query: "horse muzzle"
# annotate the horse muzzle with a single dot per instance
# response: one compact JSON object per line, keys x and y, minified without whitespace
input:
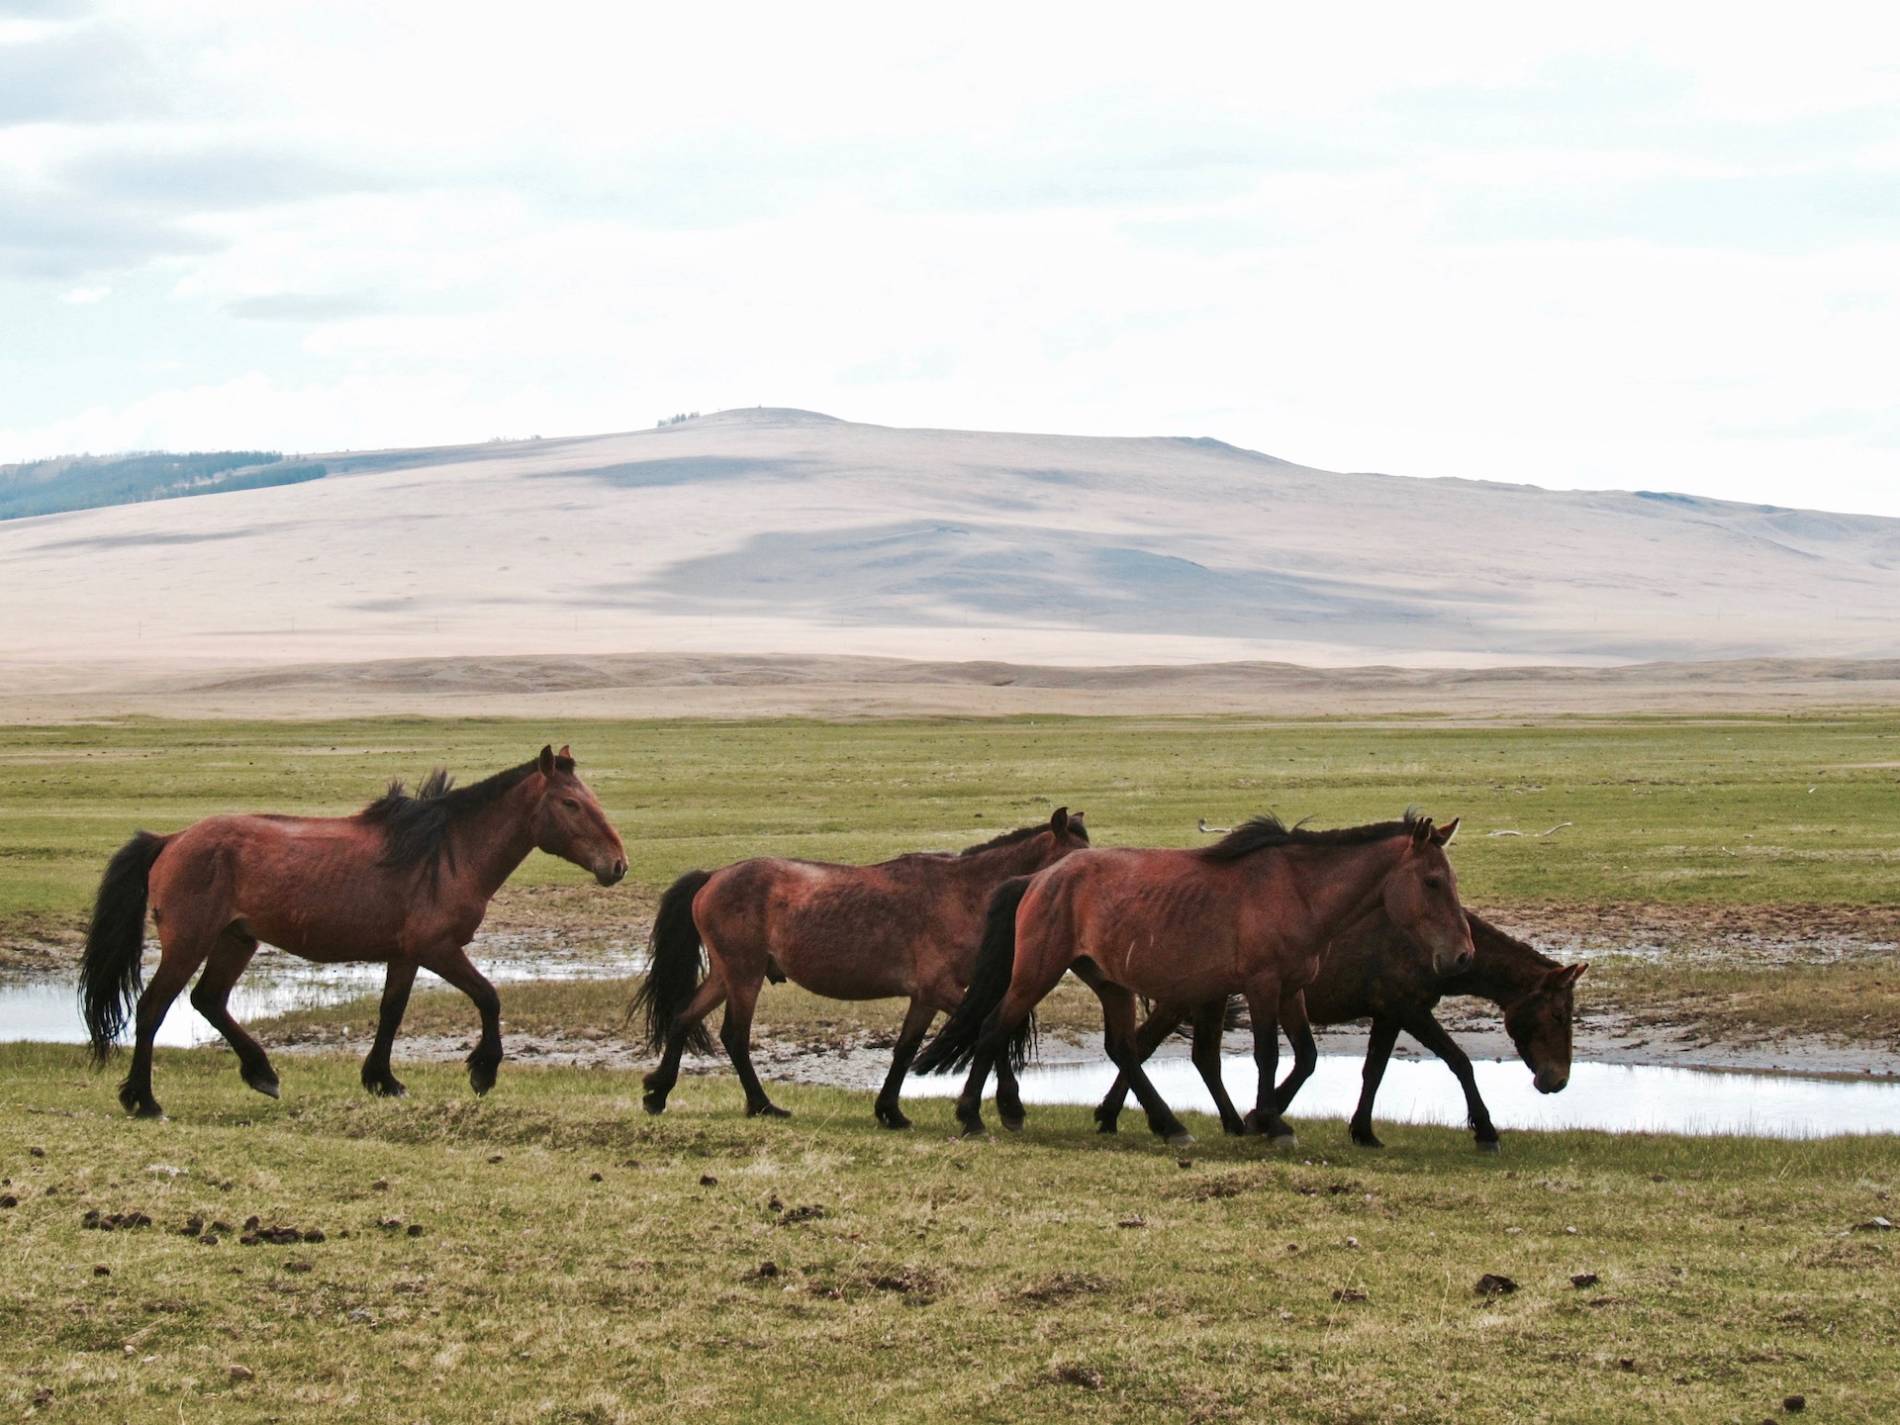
{"x":1550,"y":1080}
{"x":1453,"y":960}
{"x":611,"y":873}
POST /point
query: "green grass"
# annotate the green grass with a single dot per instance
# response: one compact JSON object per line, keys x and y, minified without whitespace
{"x":1055,"y":1275}
{"x":1742,"y":811}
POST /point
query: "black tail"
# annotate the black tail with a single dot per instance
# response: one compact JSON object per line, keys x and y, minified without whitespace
{"x":110,"y":975}
{"x":955,"y":1044}
{"x":673,"y":965}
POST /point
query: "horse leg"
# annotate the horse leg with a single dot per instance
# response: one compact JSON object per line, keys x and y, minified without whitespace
{"x":736,"y":1034}
{"x":1263,"y":1004}
{"x":1160,"y":1023}
{"x":179,"y":960}
{"x":1009,"y":1096}
{"x":916,"y":1024}
{"x":1385,"y":1033}
{"x":1430,"y":1033}
{"x":452,"y":964}
{"x":376,"y":1076}
{"x":1210,"y":1021}
{"x":1118,"y":1034}
{"x":211,"y":997}
{"x":1305,"y":1049}
{"x":992,"y":1050}
{"x":659,"y":1083}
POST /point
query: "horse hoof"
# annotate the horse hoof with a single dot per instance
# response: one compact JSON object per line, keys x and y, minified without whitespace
{"x":148,"y":1109}
{"x":1012,"y":1125}
{"x":1107,"y":1125}
{"x":768,"y":1110}
{"x":654,"y":1103}
{"x":1284,"y":1140}
{"x":1180,"y":1138}
{"x":481,"y":1080}
{"x":889,"y":1115}
{"x":1366,"y":1142}
{"x":973,"y":1131}
{"x":384,"y":1088}
{"x":267,"y":1087}
{"x":1490,"y":1145}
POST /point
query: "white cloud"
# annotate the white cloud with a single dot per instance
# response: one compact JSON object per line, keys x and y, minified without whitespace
{"x":85,"y":296}
{"x":1655,"y":253}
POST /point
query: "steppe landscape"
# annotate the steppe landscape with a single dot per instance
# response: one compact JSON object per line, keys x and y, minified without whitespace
{"x":1667,"y":722}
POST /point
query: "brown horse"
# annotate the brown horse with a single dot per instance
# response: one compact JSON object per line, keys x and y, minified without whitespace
{"x":406,"y":880}
{"x":1373,"y":972}
{"x":1252,"y":914}
{"x":906,"y":928}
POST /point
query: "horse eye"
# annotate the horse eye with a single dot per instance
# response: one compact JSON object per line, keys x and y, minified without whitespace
{"x":570,"y":804}
{"x":1434,"y":883}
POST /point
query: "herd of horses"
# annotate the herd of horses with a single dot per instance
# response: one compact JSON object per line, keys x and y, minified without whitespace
{"x":1300,"y":926}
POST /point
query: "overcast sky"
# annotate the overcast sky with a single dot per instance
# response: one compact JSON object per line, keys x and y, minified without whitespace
{"x":1654,"y":247}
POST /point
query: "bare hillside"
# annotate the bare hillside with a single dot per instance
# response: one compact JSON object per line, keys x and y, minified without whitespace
{"x":787,"y":533}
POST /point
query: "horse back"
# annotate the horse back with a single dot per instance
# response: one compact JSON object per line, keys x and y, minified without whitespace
{"x":310,"y":885}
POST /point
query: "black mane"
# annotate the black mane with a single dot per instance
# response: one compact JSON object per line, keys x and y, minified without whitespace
{"x":1021,"y":833}
{"x":1266,"y":833}
{"x":416,"y":828}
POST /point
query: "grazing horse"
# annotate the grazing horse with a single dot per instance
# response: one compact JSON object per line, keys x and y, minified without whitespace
{"x":406,"y":881}
{"x":905,"y":928}
{"x":1252,"y":913}
{"x":1373,"y":972}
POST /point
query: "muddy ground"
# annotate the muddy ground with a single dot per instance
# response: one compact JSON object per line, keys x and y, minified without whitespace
{"x":1623,"y":1017}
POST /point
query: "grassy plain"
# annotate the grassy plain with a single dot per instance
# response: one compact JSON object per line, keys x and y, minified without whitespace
{"x":1737,"y":811}
{"x":581,"y":1262}
{"x":1759,"y":827}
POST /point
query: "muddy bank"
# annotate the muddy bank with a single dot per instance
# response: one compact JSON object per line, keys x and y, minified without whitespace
{"x":1755,"y":935}
{"x":859,"y":1060}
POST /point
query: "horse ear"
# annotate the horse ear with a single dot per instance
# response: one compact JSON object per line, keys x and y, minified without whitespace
{"x":1566,"y":975}
{"x":1059,"y":823}
{"x":1421,"y":831}
{"x":564,"y":752}
{"x":1443,"y":835}
{"x":546,"y":761}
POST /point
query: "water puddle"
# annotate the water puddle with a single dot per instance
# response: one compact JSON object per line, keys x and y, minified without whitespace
{"x":1618,"y":1098}
{"x":48,"y":1010}
{"x":1614,"y":1097}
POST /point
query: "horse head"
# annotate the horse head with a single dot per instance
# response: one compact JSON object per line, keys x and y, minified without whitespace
{"x":1539,"y":1025}
{"x":569,"y":823}
{"x":1421,"y":898}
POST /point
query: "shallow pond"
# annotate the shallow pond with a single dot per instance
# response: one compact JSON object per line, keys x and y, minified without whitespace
{"x":48,"y":1009}
{"x":1614,"y":1097}
{"x":1620,"y":1098}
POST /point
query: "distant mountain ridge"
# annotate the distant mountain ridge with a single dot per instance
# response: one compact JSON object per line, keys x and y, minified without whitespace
{"x":84,"y":482}
{"x":779,"y":531}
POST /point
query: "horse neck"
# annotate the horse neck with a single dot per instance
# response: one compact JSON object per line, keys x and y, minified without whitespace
{"x":1339,"y":883}
{"x":1000,"y":863}
{"x":1503,"y":970}
{"x":493,"y":841}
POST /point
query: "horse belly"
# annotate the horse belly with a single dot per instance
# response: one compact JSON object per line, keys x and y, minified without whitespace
{"x":850,"y":941}
{"x":319,"y":905}
{"x":1187,"y":965}
{"x":846,"y":970}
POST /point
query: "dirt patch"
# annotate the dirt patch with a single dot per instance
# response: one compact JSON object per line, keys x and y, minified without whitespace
{"x":1753,"y":934}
